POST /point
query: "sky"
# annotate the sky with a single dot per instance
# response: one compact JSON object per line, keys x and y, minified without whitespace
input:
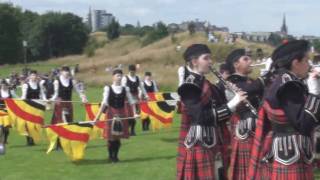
{"x":238,"y":15}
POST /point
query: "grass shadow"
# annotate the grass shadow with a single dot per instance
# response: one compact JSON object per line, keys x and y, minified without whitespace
{"x":88,"y":162}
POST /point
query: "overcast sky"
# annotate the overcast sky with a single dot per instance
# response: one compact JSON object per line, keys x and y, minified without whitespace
{"x":239,"y":15}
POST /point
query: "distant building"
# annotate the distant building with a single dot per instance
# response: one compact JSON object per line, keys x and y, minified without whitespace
{"x":284,"y":27}
{"x":258,"y":36}
{"x":264,"y":36}
{"x":173,"y":28}
{"x":201,"y":26}
{"x":310,"y":38}
{"x":98,"y":19}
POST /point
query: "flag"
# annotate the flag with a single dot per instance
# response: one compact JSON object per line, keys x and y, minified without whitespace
{"x":92,"y":109}
{"x":5,"y":120}
{"x":27,"y":116}
{"x":73,"y":138}
{"x":162,"y":96}
{"x":159,"y":112}
{"x":159,"y":109}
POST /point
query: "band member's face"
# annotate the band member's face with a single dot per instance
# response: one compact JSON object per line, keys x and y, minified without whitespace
{"x":148,"y":78}
{"x":33,"y":77}
{"x":202,"y":64}
{"x":301,"y":68}
{"x":65,"y":73}
{"x":132,"y":73}
{"x":243,"y":65}
{"x":117,"y":78}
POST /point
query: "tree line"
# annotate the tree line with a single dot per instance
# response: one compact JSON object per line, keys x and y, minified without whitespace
{"x":53,"y":34}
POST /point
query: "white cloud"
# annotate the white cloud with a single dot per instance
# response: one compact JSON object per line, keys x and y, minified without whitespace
{"x":139,"y":11}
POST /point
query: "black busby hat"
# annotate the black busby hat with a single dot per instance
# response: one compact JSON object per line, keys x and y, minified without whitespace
{"x":234,"y":56}
{"x":117,"y":71}
{"x":148,"y":73}
{"x":286,"y":53}
{"x":195,"y":50}
{"x":65,"y":68}
{"x":132,"y":67}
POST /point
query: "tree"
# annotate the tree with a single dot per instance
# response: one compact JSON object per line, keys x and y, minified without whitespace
{"x":128,"y":29}
{"x":113,"y":30}
{"x":11,"y":50}
{"x":159,"y":31}
{"x":316,"y":45}
{"x":58,"y":34}
{"x":275,"y":39}
{"x":191,"y":28}
{"x":28,"y":20}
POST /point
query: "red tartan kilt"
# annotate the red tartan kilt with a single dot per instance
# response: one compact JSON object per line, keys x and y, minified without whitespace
{"x":109,"y":115}
{"x":240,"y":153}
{"x":196,"y":163}
{"x":129,"y":110}
{"x":128,"y":107}
{"x":226,"y":147}
{"x":57,"y":112}
{"x":297,"y":171}
{"x":240,"y":157}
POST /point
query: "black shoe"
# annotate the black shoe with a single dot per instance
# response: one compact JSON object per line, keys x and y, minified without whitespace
{"x":30,"y":141}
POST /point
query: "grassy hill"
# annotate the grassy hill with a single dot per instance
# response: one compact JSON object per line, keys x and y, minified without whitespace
{"x":160,"y":57}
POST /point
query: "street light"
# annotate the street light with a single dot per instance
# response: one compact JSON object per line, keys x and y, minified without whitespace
{"x":25,"y":46}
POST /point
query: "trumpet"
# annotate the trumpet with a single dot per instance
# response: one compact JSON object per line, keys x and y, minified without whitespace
{"x":229,"y":87}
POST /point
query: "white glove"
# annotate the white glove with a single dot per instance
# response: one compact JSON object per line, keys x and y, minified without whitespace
{"x":233,"y":103}
{"x":236,"y":100}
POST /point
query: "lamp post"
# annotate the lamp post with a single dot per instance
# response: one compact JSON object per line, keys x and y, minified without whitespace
{"x":25,"y":46}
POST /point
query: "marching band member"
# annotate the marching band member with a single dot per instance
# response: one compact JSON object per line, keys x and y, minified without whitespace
{"x":204,"y":112}
{"x":5,"y":92}
{"x":313,"y":83}
{"x":132,"y":81}
{"x":243,"y":121}
{"x":282,"y":147}
{"x":151,"y":87}
{"x":114,"y":100}
{"x":32,"y":89}
{"x":62,"y":97}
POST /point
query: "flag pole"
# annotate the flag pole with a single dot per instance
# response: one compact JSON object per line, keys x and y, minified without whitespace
{"x":90,"y":122}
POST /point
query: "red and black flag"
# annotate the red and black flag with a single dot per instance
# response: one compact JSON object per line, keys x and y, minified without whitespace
{"x":73,"y":138}
{"x":27,"y":116}
{"x":160,"y":113}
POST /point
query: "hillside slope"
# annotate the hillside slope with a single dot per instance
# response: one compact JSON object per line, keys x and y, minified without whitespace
{"x":161,"y":57}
